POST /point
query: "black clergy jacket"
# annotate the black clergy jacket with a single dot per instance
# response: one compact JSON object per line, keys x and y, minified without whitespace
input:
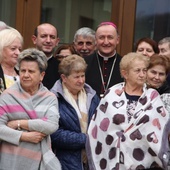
{"x":51,"y":73}
{"x":93,"y":74}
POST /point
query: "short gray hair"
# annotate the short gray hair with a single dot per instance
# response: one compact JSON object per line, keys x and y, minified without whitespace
{"x":164,"y":40}
{"x":32,"y":54}
{"x":84,"y":32}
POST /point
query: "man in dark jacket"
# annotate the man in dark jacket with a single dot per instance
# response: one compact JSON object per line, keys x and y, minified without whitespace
{"x":103,"y":66}
{"x":46,"y":39}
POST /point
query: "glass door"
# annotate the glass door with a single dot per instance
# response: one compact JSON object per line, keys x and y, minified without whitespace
{"x":70,"y":15}
{"x":152,"y":19}
{"x":8,"y":12}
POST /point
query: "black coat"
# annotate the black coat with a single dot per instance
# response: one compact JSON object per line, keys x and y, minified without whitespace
{"x":93,"y":76}
{"x":168,"y":79}
{"x":165,"y":88}
{"x":3,"y":85}
{"x":51,"y":73}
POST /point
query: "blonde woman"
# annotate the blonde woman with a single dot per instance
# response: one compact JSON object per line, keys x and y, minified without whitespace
{"x":11,"y":42}
{"x":131,"y":125}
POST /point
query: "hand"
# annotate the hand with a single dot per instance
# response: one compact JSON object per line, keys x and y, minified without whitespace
{"x":33,"y":137}
{"x":18,"y":124}
{"x":13,"y":124}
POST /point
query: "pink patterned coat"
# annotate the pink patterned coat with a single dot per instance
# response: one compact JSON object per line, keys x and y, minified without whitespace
{"x":116,"y":144}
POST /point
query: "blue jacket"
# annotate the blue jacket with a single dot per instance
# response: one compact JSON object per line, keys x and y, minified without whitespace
{"x":68,"y":140}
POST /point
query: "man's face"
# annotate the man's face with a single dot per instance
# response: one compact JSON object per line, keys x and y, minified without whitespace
{"x":46,"y":39}
{"x":84,"y":46}
{"x":164,"y":49}
{"x":106,"y":40}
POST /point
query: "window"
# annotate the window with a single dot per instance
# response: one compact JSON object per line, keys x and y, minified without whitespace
{"x":7,"y":12}
{"x":70,"y":15}
{"x":152,"y":19}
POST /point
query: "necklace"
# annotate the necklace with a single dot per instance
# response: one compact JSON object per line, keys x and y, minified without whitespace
{"x":105,"y":87}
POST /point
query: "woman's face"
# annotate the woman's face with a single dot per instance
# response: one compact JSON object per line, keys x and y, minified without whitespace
{"x":145,"y":49}
{"x":156,"y":76}
{"x":30,"y":76}
{"x":136,"y":75}
{"x":63,"y":53}
{"x":11,"y":52}
{"x":74,"y":82}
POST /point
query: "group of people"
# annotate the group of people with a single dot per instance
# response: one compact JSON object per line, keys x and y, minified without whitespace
{"x":28,"y":110}
{"x":82,"y":106}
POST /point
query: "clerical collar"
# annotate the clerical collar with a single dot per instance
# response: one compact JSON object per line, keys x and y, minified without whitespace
{"x":49,"y":57}
{"x":105,"y":86}
{"x":106,"y":58}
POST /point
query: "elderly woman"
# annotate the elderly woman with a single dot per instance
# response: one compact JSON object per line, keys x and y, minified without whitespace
{"x":130,"y":127}
{"x":77,"y":103}
{"x":158,"y":70}
{"x":11,"y":43}
{"x":29,"y":114}
{"x":147,"y":47}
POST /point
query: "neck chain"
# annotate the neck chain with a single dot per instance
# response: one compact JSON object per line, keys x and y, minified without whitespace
{"x":105,"y":87}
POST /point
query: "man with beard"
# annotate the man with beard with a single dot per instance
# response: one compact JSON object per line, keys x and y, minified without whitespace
{"x":46,"y":39}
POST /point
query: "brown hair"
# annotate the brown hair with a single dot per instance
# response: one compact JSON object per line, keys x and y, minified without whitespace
{"x":64,"y":47}
{"x":160,"y":60}
{"x":153,"y":43}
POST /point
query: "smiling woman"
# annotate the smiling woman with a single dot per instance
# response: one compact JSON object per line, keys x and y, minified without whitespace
{"x":158,"y":70}
{"x":11,"y":43}
{"x":130,"y":127}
